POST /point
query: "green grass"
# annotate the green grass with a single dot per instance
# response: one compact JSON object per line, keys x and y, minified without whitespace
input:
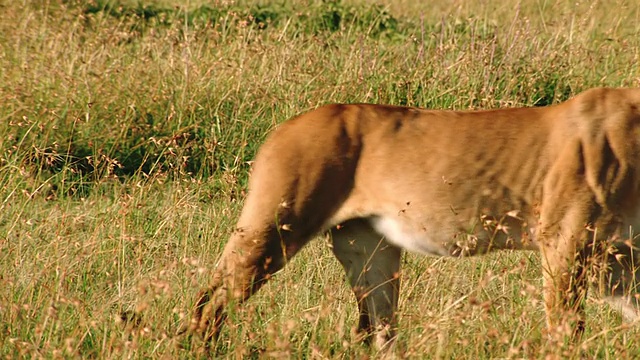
{"x":126,"y":131}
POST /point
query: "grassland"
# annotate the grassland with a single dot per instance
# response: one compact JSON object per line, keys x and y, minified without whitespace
{"x":127,"y":130}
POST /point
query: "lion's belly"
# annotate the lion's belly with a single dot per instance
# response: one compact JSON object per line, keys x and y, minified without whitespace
{"x":408,"y":236}
{"x":457,"y":221}
{"x":450,"y":239}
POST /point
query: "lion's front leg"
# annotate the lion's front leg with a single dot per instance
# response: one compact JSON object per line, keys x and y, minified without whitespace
{"x":619,"y":280}
{"x":568,"y":211}
{"x":565,"y":289}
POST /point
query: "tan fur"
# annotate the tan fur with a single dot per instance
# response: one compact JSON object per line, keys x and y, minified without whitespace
{"x":563,"y":179}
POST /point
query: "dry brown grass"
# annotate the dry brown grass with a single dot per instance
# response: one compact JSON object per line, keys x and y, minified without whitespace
{"x":125,"y":141}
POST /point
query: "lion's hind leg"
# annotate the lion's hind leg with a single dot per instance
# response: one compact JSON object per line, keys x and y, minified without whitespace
{"x":372,"y":266}
{"x":247,"y":262}
{"x":280,"y":216}
{"x":269,"y":232}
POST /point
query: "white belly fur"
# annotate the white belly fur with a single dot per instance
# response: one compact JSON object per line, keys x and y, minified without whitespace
{"x":408,"y":237}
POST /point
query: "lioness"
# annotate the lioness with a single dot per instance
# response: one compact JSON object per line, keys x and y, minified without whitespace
{"x":563,"y":179}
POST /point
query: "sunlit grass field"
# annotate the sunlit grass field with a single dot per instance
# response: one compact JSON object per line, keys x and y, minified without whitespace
{"x":127,"y":129}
